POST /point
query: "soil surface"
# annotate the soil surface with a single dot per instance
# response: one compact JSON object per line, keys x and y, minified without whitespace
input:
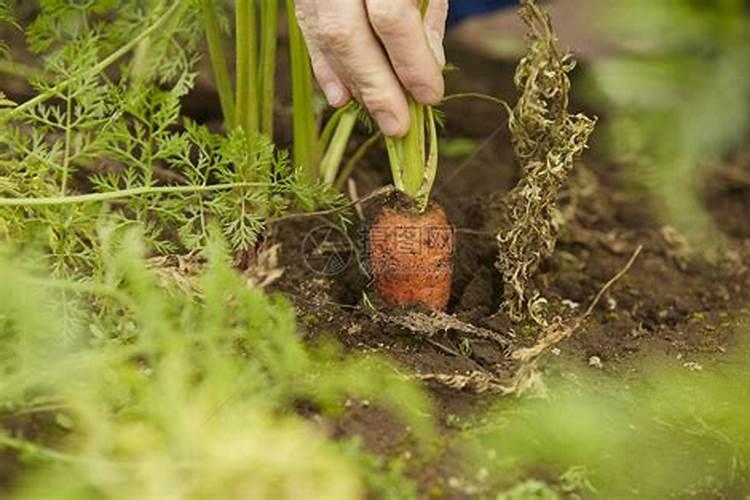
{"x":676,"y":301}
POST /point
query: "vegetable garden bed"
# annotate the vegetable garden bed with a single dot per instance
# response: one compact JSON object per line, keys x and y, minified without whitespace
{"x":253,"y":359}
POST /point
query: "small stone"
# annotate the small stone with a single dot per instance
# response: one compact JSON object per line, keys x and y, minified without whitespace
{"x":596,"y":362}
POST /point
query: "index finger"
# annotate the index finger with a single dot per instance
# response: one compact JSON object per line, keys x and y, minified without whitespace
{"x":343,"y":34}
{"x":399,"y":25}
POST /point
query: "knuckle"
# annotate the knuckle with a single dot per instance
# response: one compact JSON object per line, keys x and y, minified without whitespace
{"x":335,"y":33}
{"x":411,"y":78}
{"x":379,"y":101}
{"x":386,"y":15}
{"x":427,"y":85}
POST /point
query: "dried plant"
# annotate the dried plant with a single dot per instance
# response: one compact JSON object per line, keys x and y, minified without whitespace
{"x":546,"y":140}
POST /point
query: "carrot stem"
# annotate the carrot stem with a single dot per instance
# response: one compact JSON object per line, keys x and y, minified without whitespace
{"x":414,"y":167}
{"x":269,"y":29}
{"x":331,"y":162}
{"x":247,"y":64}
{"x":352,"y":163}
{"x":218,"y":62}
{"x":304,"y":131}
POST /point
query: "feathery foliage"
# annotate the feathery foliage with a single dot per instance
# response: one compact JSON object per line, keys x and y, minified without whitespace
{"x":124,"y":138}
{"x":5,"y":18}
{"x":159,"y":393}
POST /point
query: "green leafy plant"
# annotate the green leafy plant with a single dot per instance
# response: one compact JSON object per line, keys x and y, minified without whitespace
{"x":160,"y":393}
{"x":690,"y":425}
{"x":88,"y":142}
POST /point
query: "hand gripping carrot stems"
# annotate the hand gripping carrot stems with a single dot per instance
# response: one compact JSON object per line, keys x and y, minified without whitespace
{"x":411,"y":241}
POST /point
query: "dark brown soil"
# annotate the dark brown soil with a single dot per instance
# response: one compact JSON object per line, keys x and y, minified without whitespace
{"x":677,"y":301}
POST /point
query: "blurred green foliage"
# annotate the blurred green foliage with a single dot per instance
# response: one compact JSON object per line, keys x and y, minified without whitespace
{"x":165,"y":394}
{"x":678,"y":95}
{"x":671,"y":433}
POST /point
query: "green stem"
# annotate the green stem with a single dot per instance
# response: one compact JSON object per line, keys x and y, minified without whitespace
{"x":247,"y":66}
{"x":96,"y":69}
{"x":331,"y":162}
{"x":68,"y":142}
{"x":269,"y":29}
{"x":431,"y":165}
{"x":332,"y":124}
{"x":217,"y":53}
{"x":395,"y":149}
{"x":306,"y":151}
{"x":352,"y":163}
{"x":27,"y":448}
{"x":414,"y":150}
{"x":124,"y":193}
{"x":478,"y":95}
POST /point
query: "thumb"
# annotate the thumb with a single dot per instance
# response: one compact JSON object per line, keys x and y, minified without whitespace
{"x":434,"y":24}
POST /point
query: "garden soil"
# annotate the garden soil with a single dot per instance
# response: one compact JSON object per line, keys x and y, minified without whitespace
{"x":677,"y":302}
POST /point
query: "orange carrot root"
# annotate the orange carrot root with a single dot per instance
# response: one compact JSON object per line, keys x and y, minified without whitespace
{"x":410,"y":257}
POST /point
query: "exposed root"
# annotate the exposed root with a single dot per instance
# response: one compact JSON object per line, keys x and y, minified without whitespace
{"x":438,"y":322}
{"x":528,"y":378}
{"x":477,"y":382}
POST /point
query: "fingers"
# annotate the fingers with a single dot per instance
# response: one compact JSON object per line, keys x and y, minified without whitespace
{"x":435,"y":21}
{"x":340,"y":32}
{"x":401,"y":29}
{"x":373,"y":50}
{"x":335,"y":90}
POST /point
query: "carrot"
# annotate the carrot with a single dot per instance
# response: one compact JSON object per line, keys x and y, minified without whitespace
{"x":411,"y":244}
{"x":410,"y":256}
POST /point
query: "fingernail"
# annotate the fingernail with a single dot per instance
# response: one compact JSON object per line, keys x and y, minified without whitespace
{"x":334,"y":94}
{"x":388,"y":123}
{"x":436,"y":44}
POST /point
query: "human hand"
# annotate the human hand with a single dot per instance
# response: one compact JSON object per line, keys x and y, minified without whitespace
{"x":376,"y":51}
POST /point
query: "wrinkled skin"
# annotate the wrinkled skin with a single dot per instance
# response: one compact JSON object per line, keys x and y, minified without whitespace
{"x":378,"y":52}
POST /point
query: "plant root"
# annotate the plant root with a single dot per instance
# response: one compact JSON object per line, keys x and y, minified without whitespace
{"x":528,"y":378}
{"x":546,"y":141}
{"x":440,"y":322}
